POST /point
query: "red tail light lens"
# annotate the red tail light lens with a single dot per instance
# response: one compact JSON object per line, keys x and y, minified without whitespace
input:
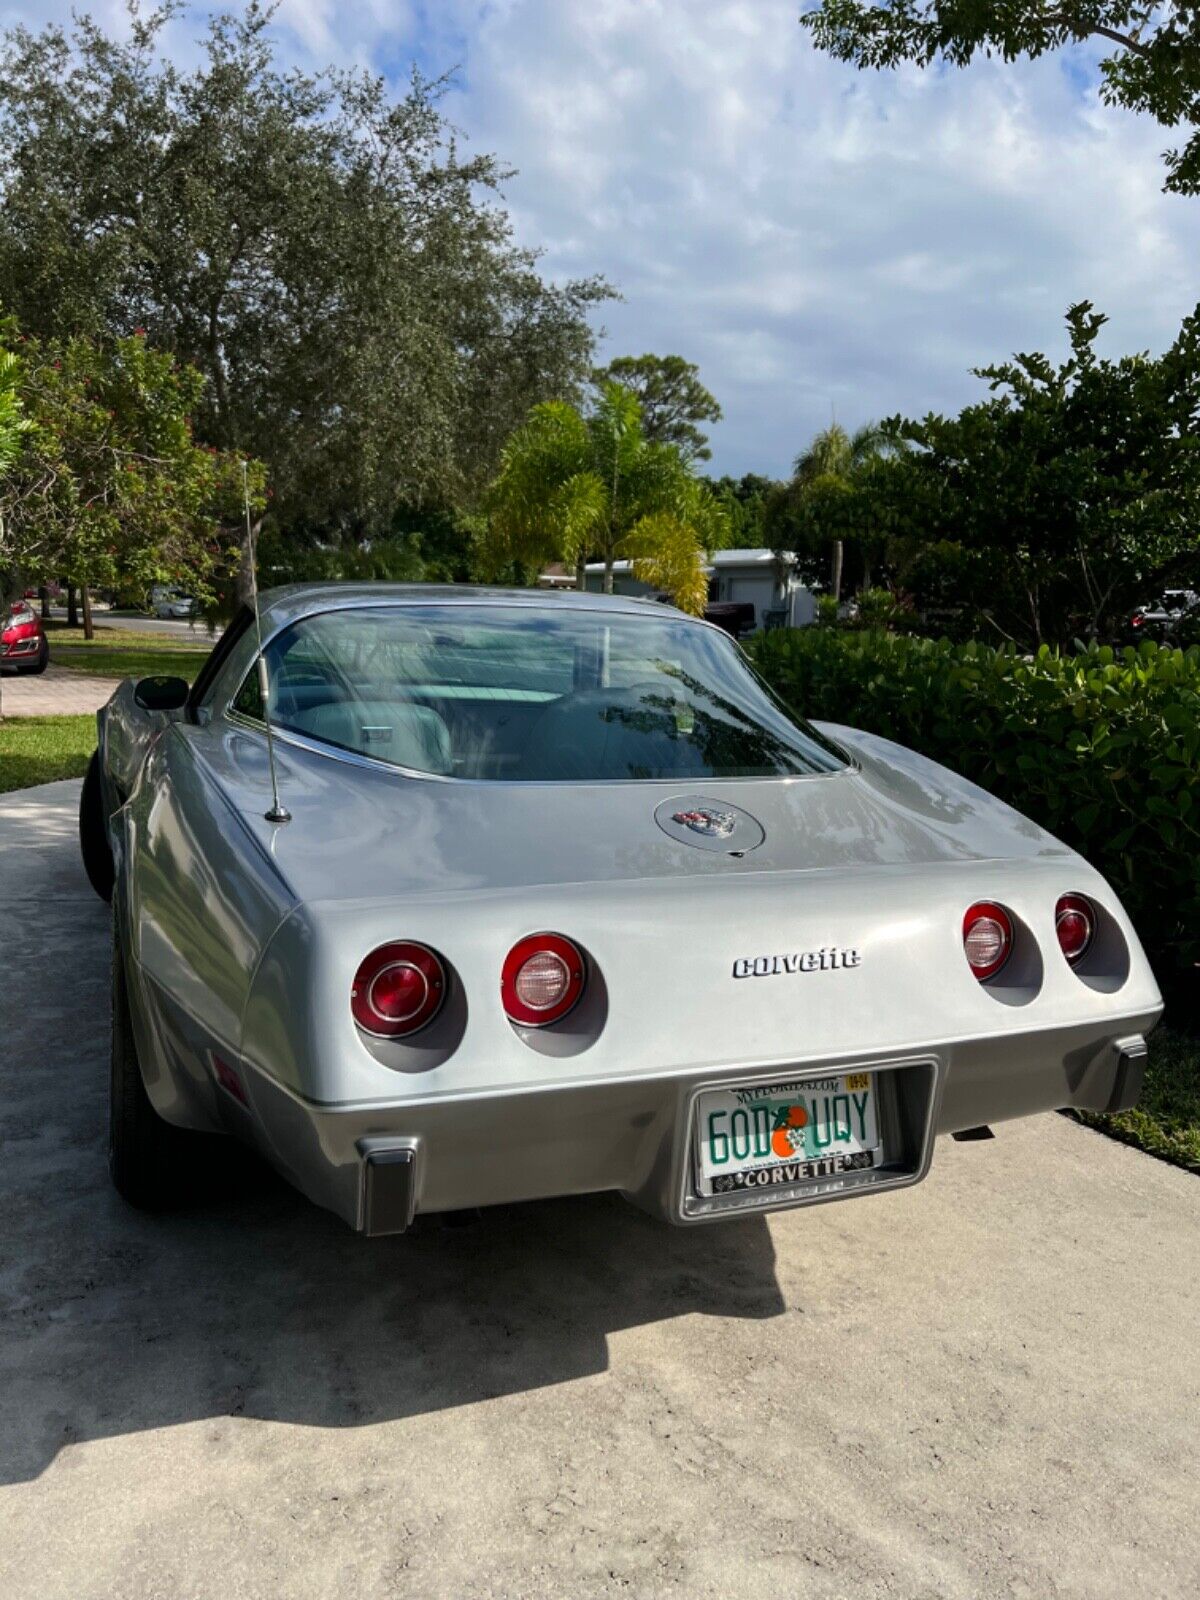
{"x":1075,"y":924}
{"x":542,"y":979}
{"x":987,"y":938}
{"x":398,"y":989}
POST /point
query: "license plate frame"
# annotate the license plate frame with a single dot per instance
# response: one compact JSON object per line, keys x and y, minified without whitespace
{"x":908,"y":1093}
{"x":781,"y":1132}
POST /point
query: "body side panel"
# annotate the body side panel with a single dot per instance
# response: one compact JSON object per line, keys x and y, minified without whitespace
{"x":200,"y":901}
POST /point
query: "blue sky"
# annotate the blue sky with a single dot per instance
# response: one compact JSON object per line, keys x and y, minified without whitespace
{"x":822,"y":242}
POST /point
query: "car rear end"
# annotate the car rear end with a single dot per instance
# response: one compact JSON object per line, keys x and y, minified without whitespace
{"x":771,"y":1041}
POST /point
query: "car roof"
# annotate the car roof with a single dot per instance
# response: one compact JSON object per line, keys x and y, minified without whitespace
{"x":292,"y":601}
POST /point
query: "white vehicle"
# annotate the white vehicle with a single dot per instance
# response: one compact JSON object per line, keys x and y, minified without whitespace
{"x":170,"y":603}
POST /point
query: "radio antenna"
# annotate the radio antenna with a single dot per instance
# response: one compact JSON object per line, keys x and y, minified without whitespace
{"x":278,"y":812}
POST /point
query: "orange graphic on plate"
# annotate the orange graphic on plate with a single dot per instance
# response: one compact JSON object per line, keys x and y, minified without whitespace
{"x":789,"y":1120}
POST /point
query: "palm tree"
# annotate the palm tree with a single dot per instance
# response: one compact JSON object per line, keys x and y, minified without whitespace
{"x":831,"y":463}
{"x":571,"y":485}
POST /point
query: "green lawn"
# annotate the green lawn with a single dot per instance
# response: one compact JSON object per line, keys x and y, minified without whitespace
{"x":1166,"y":1122}
{"x":126,"y":653}
{"x":43,"y":749}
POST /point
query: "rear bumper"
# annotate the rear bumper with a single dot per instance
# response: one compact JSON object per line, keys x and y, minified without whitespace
{"x":377,"y":1166}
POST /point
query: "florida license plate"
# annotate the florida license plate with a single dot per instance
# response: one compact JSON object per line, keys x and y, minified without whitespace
{"x":798,"y":1131}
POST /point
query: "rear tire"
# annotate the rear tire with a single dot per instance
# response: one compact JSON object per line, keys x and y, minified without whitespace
{"x":93,"y":833}
{"x":148,"y":1159}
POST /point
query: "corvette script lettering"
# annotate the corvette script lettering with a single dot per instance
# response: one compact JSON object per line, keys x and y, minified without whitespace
{"x":825,"y":960}
{"x":792,"y":1172}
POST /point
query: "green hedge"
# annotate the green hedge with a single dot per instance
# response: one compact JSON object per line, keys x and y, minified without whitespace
{"x":1101,"y":747}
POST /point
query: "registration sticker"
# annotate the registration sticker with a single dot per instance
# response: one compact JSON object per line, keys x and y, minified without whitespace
{"x":768,"y":1134}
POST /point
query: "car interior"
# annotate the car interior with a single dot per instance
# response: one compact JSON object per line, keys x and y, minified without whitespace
{"x":495,"y":732}
{"x":468,"y":700}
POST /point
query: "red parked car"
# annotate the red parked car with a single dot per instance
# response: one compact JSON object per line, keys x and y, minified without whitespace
{"x":23,"y":643}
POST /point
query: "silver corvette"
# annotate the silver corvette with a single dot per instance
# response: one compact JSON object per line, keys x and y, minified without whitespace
{"x":556,"y":897}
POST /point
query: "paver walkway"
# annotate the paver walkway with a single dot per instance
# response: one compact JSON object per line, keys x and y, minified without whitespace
{"x":55,"y":693}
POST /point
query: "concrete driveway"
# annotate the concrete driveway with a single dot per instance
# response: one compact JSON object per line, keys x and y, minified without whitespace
{"x":985,"y":1386}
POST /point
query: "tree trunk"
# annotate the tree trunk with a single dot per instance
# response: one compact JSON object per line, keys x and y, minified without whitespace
{"x":581,"y":575}
{"x":44,"y":597}
{"x":88,"y":631}
{"x":1034,"y":613}
{"x":72,"y":607}
{"x":835,"y":582}
{"x":608,"y":574}
{"x":216,"y":362}
{"x":245,"y":572}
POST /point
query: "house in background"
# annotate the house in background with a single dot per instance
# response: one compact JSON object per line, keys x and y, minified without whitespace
{"x":556,"y":576}
{"x":763,"y":582}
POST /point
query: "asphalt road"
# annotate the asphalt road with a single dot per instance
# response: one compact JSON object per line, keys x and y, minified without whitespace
{"x":985,"y":1386}
{"x":193,"y":632}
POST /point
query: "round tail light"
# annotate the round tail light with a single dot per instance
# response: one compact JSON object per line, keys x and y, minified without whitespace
{"x":542,"y":979}
{"x":987,"y":938}
{"x":397,"y":989}
{"x":1075,"y":924}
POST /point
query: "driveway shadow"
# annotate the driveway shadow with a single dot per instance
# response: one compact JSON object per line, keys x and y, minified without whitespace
{"x":266,"y":1307}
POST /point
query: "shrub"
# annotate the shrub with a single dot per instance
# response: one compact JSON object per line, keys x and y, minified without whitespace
{"x":1101,"y":747}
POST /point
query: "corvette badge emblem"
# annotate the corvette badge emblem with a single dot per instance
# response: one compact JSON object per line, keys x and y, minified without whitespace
{"x":703,"y":823}
{"x":828,"y":959}
{"x":713,"y":824}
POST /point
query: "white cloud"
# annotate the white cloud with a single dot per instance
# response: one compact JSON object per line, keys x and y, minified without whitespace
{"x":814,"y":237}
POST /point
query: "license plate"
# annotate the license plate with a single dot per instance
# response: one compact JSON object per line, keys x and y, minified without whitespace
{"x":785,"y":1132}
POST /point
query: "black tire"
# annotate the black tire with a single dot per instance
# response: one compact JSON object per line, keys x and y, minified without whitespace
{"x":93,"y":832}
{"x":149,"y":1161}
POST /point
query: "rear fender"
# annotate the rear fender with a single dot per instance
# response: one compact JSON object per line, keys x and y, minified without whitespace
{"x":199,"y":902}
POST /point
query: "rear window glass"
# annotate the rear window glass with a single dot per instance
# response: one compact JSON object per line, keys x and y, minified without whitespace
{"x":532,"y":694}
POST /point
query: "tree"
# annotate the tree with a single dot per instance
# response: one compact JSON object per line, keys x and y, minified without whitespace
{"x":571,"y":485}
{"x":834,"y":497}
{"x":745,"y":501}
{"x":672,"y":398}
{"x":1156,"y":67}
{"x":109,"y":487}
{"x":320,"y":251}
{"x":1057,"y":501}
{"x":14,"y":425}
{"x":13,"y":422}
